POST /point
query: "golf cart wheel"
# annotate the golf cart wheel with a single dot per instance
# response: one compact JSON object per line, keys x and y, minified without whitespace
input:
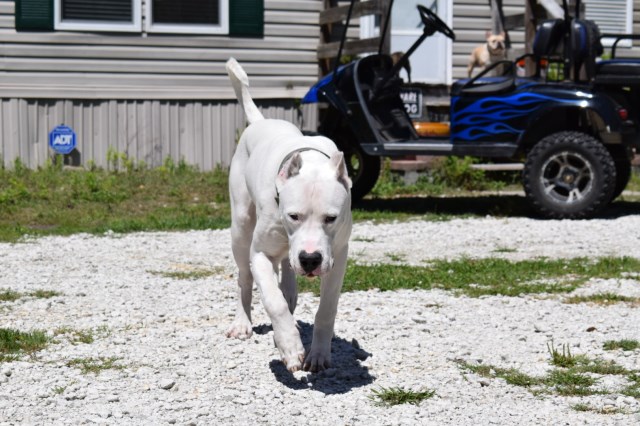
{"x":363,"y":169}
{"x":569,"y":175}
{"x":623,"y":175}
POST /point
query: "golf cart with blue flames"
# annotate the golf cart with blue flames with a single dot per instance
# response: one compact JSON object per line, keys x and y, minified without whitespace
{"x":575,"y":135}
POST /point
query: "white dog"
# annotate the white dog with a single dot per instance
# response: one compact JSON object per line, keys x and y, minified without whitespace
{"x":290,"y":210}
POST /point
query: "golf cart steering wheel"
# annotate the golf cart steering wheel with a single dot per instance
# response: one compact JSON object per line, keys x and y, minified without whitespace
{"x":432,"y":21}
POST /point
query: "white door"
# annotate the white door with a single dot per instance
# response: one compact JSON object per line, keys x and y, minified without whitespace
{"x":431,"y":63}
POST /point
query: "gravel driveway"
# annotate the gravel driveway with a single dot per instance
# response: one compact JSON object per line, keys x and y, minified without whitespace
{"x":173,"y":365}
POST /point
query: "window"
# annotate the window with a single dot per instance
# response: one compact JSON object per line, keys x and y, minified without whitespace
{"x":237,"y":18}
{"x":188,"y":16}
{"x":105,"y":15}
{"x":612,"y":17}
{"x":167,"y":16}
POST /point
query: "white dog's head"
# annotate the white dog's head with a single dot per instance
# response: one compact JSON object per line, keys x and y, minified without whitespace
{"x":315,"y":209}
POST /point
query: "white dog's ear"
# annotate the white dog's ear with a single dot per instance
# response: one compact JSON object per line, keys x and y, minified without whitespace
{"x":290,"y":168}
{"x":337,"y":159}
{"x":487,"y":34}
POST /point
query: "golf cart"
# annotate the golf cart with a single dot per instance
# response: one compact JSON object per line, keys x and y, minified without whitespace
{"x":575,"y":135}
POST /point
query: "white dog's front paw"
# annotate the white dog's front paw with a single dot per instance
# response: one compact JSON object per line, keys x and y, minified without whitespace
{"x":240,"y":329}
{"x":317,"y":359}
{"x":291,"y":350}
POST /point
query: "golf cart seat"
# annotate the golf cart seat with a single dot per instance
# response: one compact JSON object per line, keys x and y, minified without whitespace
{"x":586,"y":47}
{"x":548,"y":38}
{"x":381,"y":105}
{"x":618,"y":72}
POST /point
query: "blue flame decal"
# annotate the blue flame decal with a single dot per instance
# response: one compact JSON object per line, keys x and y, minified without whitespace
{"x":486,"y":116}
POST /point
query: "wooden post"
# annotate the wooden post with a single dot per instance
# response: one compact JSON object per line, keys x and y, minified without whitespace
{"x":386,"y":45}
{"x":496,"y":22}
{"x":529,"y":35}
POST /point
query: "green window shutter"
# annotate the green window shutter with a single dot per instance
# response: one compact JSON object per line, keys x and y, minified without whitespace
{"x":246,"y":18}
{"x":34,"y":15}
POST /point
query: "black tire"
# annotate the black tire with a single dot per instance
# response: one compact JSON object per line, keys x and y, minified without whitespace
{"x":363,"y":169}
{"x":569,"y":175}
{"x":623,"y":175}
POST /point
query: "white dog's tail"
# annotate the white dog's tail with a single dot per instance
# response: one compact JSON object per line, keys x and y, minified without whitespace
{"x":240,"y":83}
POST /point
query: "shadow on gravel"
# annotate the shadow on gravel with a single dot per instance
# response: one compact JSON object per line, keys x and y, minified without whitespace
{"x":494,"y":205}
{"x":481,"y":205}
{"x":345,"y":374}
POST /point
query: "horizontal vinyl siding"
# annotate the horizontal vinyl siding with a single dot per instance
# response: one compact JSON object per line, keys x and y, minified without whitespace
{"x":201,"y":133}
{"x":471,"y":20}
{"x":6,"y":14}
{"x":60,"y":64}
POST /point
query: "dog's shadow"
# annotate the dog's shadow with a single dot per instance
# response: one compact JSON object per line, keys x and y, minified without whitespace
{"x":346,"y":370}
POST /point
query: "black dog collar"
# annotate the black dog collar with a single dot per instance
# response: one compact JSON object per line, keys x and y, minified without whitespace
{"x":288,"y":157}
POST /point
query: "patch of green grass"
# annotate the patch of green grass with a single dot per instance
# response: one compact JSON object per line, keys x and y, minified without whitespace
{"x":633,"y":390}
{"x":602,"y":299}
{"x":9,"y":295}
{"x":634,"y":181}
{"x":82,"y":336}
{"x":572,"y":375}
{"x":399,"y":395}
{"x":395,"y":257}
{"x":568,"y":382}
{"x":364,"y":239}
{"x":562,"y":359}
{"x":14,"y":343}
{"x":479,"y":277}
{"x":45,"y":294}
{"x":590,"y":408}
{"x":75,"y":336}
{"x":95,"y":365}
{"x":624,"y":344}
{"x":510,"y":375}
{"x":59,"y":390}
{"x":504,"y":250}
{"x":601,"y":367}
{"x":195,"y":274}
{"x":56,"y":201}
{"x":445,"y":174}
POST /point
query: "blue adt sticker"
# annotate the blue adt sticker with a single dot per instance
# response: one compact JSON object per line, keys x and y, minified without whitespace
{"x":62,"y":139}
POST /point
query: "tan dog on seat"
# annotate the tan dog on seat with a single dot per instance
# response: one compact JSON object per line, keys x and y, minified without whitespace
{"x":486,"y":54}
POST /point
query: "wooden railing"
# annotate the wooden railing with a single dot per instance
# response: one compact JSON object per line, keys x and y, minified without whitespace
{"x":332,"y":26}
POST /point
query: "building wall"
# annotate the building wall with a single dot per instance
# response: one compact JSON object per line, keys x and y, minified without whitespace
{"x":202,"y":133}
{"x":150,"y":95}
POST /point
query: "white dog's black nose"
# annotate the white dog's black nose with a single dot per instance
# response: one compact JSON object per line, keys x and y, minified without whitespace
{"x":309,"y":261}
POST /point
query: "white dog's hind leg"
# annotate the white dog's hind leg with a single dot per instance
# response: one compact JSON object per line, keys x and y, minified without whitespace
{"x":285,"y":332}
{"x":289,"y":285}
{"x":319,"y":356}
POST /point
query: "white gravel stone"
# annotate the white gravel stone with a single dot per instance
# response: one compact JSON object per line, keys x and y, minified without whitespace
{"x":168,"y":334}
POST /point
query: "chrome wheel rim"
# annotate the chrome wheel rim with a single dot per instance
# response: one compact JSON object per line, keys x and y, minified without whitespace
{"x":567,"y":177}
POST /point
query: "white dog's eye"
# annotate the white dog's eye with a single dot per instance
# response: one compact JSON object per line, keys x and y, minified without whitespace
{"x":330,"y":219}
{"x":294,"y":217}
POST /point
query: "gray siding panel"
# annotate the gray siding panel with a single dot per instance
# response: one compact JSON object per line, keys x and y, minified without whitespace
{"x":471,"y":20}
{"x":201,"y":133}
{"x":282,"y":64}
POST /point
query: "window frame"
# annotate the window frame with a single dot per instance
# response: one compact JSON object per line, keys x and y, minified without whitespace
{"x":223,"y":28}
{"x":88,"y":25}
{"x":136,"y":24}
{"x":627,"y":23}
